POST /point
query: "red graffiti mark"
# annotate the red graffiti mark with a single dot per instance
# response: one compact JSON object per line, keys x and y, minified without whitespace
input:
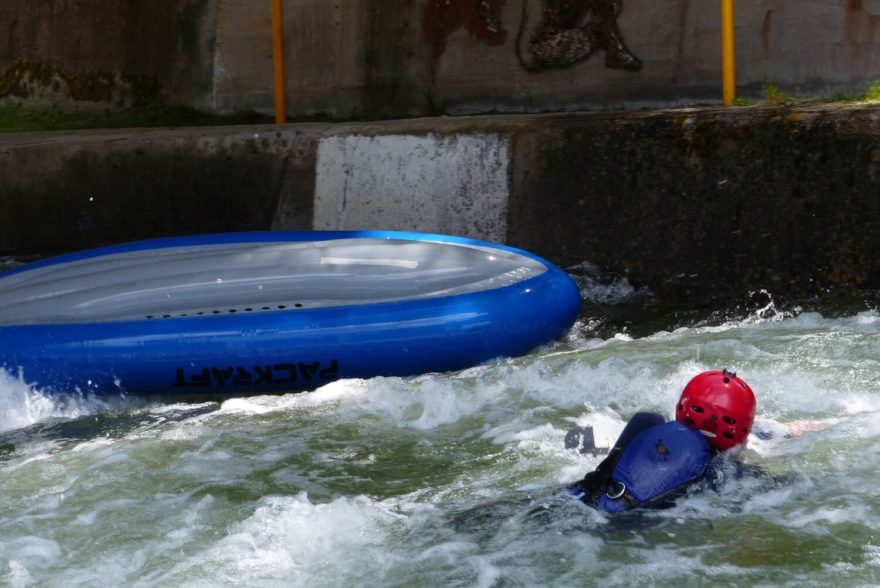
{"x":766,"y":31}
{"x":481,"y":18}
{"x":861,"y":26}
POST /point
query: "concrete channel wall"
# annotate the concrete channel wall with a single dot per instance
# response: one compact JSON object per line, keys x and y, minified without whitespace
{"x":689,"y":203}
{"x":380,"y":59}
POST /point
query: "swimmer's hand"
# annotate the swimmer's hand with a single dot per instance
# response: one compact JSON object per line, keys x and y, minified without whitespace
{"x":798,"y":428}
{"x":769,"y":429}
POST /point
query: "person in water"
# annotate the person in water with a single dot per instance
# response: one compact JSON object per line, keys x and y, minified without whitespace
{"x":655,"y":461}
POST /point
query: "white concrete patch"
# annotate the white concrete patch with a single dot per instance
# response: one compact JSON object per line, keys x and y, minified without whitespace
{"x":454,"y":185}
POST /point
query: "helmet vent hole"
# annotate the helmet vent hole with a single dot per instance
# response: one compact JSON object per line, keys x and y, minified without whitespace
{"x":697,"y":409}
{"x":729,"y":420}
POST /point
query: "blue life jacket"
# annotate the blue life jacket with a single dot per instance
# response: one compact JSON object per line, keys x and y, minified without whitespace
{"x":659,"y":464}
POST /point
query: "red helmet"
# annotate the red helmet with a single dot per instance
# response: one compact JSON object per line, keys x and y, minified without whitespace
{"x":720,"y":406}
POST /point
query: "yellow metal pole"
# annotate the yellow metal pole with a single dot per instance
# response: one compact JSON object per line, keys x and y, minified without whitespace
{"x":728,"y":58}
{"x":278,"y":58}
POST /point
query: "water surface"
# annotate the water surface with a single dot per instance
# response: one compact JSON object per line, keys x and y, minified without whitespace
{"x":450,"y":479}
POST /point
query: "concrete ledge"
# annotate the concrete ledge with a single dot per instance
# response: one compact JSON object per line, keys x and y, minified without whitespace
{"x":690,"y":203}
{"x":74,"y":190}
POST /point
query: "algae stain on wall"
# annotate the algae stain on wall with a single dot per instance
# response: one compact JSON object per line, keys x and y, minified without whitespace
{"x":36,"y":82}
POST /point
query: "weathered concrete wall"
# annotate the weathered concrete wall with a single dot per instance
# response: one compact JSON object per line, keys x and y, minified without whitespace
{"x":707,"y":204}
{"x":373,"y":59}
{"x":106,"y":53}
{"x":692,"y":204}
{"x":75,"y":190}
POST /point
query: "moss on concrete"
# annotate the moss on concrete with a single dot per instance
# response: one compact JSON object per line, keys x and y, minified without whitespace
{"x":30,"y":79}
{"x":20,"y":118}
{"x":24,"y":77}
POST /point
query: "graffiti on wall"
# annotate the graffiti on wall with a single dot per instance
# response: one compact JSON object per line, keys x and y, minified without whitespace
{"x":571,"y":32}
{"x":481,"y":18}
{"x":565,"y":33}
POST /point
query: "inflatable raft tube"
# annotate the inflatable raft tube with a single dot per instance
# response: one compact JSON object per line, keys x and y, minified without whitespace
{"x":258,"y":312}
